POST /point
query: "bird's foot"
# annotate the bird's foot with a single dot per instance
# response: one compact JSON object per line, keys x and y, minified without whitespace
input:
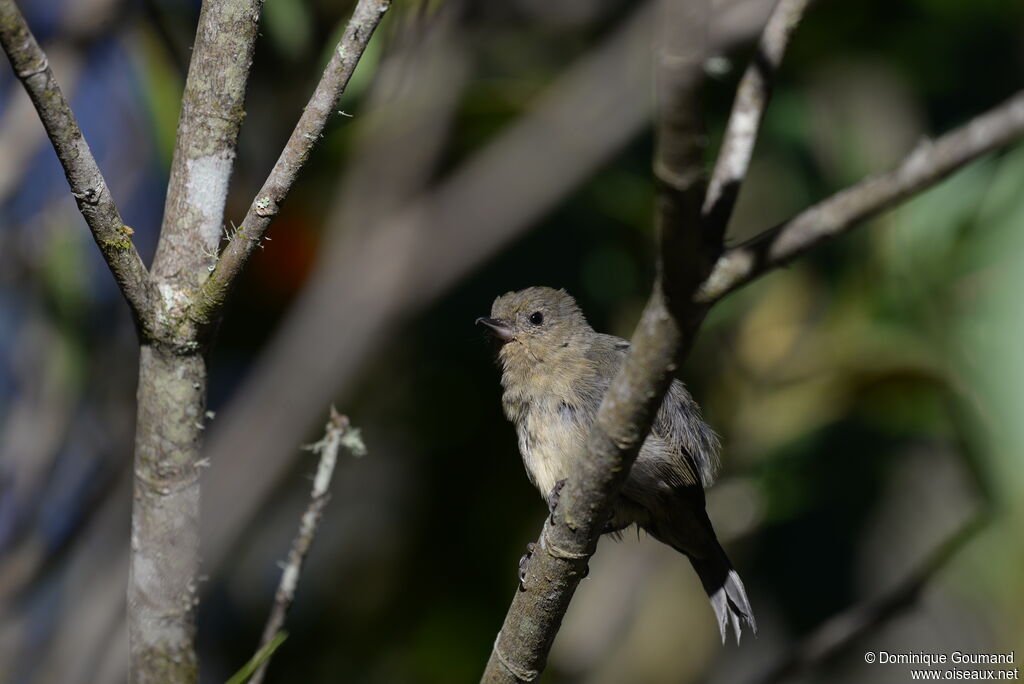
{"x":522,"y":565}
{"x":555,"y":495}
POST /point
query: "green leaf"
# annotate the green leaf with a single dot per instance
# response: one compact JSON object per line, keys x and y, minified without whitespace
{"x":263,"y":654}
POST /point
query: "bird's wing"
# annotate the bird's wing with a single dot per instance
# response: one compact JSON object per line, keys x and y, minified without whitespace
{"x":680,"y":424}
{"x":682,"y":447}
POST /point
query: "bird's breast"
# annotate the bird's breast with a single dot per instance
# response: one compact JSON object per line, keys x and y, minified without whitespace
{"x":550,"y":434}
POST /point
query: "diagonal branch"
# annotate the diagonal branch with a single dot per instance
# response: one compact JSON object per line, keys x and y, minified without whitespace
{"x":339,"y":433}
{"x":365,"y":19}
{"x":87,"y":184}
{"x":928,"y":164}
{"x":752,"y":96}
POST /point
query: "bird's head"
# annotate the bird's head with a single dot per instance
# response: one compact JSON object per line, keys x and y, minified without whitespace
{"x":537,"y":326}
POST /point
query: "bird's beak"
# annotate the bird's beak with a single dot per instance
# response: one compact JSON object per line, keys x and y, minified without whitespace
{"x":499,"y":328}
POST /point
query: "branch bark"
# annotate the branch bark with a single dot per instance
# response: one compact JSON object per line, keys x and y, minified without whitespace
{"x":210,"y":298}
{"x":337,"y":434}
{"x":212,"y":109}
{"x":569,"y":536}
{"x":87,"y":183}
{"x":688,"y":247}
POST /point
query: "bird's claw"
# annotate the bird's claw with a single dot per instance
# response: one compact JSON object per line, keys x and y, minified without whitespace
{"x":555,"y":495}
{"x":523,"y":563}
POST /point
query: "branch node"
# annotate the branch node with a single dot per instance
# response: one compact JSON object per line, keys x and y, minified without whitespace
{"x":91,"y":196}
{"x":556,"y":551}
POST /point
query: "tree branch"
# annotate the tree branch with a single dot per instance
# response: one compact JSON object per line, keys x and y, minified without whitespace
{"x":337,"y":434}
{"x":685,"y":248}
{"x":212,"y":109}
{"x":365,"y":19}
{"x":87,"y":184}
{"x":843,"y":629}
{"x":688,"y":248}
{"x":752,"y":96}
{"x":928,"y":164}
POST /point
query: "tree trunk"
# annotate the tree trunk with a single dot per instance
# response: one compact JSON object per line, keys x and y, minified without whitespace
{"x":162,"y":591}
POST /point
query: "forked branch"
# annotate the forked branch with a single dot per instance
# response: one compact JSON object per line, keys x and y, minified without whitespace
{"x":928,"y":164}
{"x":365,"y":19}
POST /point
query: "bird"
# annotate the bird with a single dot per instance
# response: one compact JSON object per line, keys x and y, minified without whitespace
{"x":555,"y":369}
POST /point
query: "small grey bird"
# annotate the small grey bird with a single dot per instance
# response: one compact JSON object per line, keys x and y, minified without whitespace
{"x":555,"y":371}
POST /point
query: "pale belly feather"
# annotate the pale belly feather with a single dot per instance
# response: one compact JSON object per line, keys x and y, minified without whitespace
{"x":549,"y":437}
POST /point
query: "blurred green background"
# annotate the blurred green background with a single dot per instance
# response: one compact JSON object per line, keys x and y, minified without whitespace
{"x":869,"y":397}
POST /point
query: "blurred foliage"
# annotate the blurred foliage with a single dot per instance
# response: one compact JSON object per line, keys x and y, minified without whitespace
{"x":868,"y":396}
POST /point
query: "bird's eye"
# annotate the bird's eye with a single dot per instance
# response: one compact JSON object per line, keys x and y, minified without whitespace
{"x":536,"y":318}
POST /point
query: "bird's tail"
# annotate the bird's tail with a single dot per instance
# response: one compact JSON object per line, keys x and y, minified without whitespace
{"x":726,"y":591}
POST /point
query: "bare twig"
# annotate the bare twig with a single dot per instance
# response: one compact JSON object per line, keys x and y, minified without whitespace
{"x":337,"y":434}
{"x":87,"y":184}
{"x":928,"y":164}
{"x":365,"y":18}
{"x":842,"y":630}
{"x":752,"y":97}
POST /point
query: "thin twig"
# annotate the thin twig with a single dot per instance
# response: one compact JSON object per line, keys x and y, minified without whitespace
{"x":752,"y":96}
{"x":928,"y":164}
{"x":337,"y":434}
{"x":87,"y":183}
{"x":365,"y":19}
{"x":842,"y":630}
